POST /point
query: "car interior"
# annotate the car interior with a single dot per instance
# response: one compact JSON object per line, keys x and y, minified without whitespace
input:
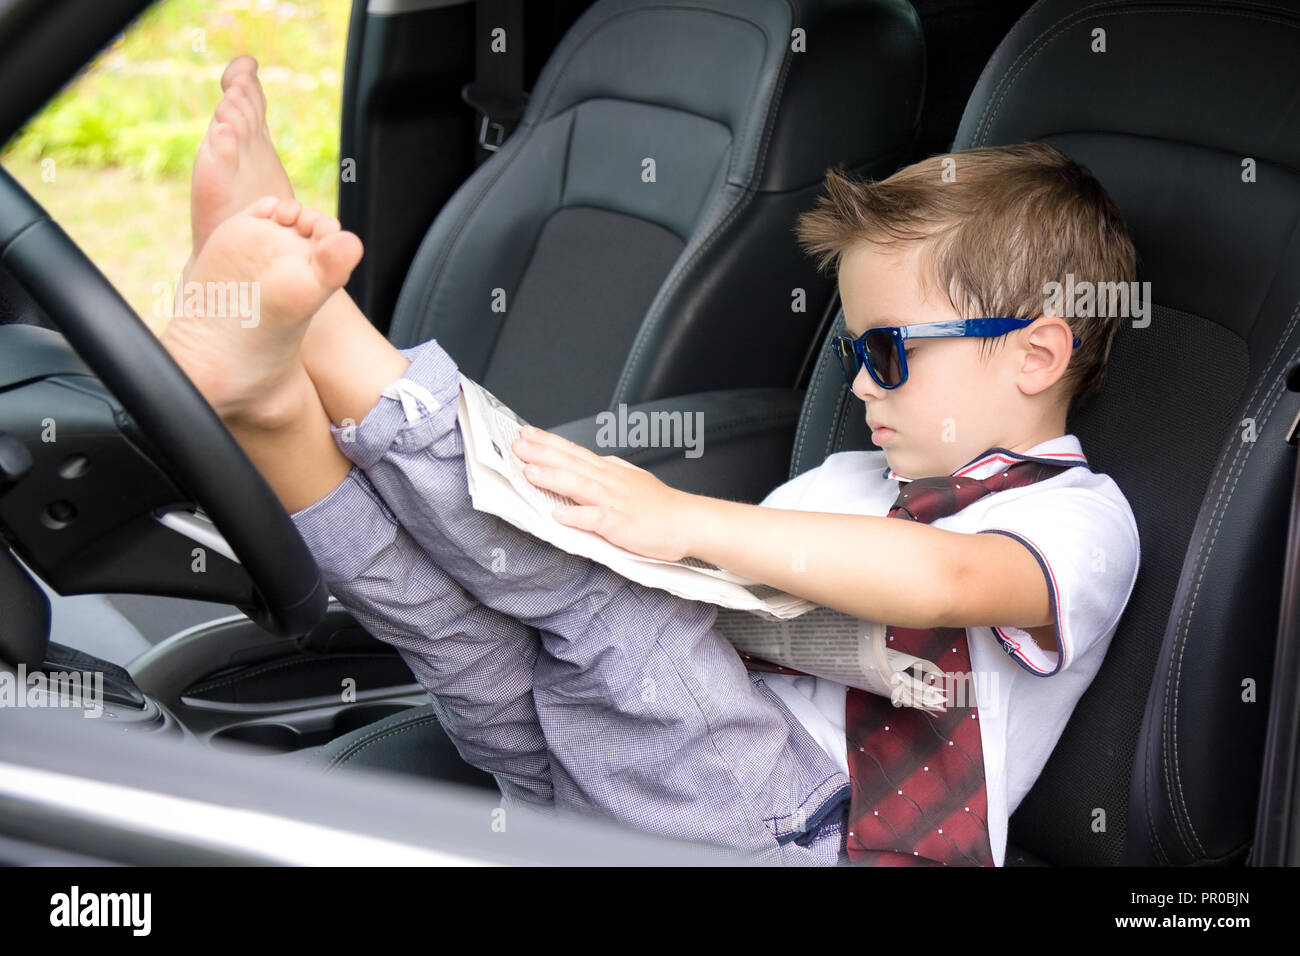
{"x":680,"y":287}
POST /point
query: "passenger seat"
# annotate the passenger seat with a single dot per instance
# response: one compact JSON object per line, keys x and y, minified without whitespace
{"x":632,"y":240}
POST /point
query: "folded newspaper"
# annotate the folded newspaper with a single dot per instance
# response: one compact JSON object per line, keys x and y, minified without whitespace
{"x":759,"y":620}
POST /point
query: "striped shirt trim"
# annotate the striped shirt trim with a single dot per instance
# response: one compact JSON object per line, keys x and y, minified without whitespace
{"x":1014,"y":647}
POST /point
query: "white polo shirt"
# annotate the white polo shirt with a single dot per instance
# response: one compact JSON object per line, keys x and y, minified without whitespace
{"x":1080,"y":528}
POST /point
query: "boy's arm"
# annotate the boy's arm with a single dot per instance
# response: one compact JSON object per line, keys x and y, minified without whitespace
{"x":881,"y":569}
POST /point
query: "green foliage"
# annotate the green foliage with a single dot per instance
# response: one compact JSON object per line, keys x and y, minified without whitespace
{"x":109,"y":156}
{"x":145,"y":101}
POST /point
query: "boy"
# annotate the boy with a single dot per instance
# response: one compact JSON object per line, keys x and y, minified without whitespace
{"x":579,"y":688}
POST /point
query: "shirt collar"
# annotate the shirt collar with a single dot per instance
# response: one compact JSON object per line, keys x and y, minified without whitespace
{"x":1062,"y":450}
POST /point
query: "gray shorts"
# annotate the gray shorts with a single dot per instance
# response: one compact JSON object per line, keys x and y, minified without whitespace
{"x":569,"y":683}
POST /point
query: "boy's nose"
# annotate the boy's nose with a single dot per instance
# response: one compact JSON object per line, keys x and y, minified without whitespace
{"x":865,"y":387}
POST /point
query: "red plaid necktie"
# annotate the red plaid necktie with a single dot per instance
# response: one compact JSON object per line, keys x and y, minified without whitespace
{"x":918,"y":789}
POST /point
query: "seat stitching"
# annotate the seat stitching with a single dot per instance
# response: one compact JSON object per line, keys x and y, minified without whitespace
{"x":1153,"y":838}
{"x":1243,"y":453}
{"x":1242,"y":448}
{"x":1168,"y":716}
{"x":836,"y":438}
{"x":1072,"y":19}
{"x":260,"y":669}
{"x":1008,"y":77}
{"x":527,"y":129}
{"x":802,"y":428}
{"x":361,"y":743}
{"x":679,"y":273}
{"x":819,"y":371}
{"x":577,"y":46}
{"x":443,"y":255}
{"x":637,"y":11}
{"x":1168,"y":727}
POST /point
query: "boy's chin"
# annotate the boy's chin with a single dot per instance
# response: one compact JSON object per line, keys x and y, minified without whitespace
{"x":897,"y":462}
{"x":908,"y":466}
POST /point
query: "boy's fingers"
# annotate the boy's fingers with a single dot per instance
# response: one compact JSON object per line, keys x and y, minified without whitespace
{"x":567,"y":483}
{"x":619,"y":461}
{"x":552,"y":455}
{"x":585,"y":517}
{"x":533,"y":434}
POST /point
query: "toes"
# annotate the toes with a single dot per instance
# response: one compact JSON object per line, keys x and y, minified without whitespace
{"x":239,"y":96}
{"x":286,"y":211}
{"x":263,"y":207}
{"x":334,"y":257}
{"x":222,"y":142}
{"x":307,"y":221}
{"x":239,"y":65}
{"x":249,"y":83}
{"x":324,"y":226}
{"x":229,"y":113}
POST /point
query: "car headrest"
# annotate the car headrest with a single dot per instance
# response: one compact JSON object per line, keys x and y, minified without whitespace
{"x":715,"y":79}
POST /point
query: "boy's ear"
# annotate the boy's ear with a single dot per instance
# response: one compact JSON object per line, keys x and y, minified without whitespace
{"x":1048,"y":343}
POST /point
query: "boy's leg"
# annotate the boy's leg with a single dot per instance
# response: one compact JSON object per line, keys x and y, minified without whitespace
{"x":648,"y":712}
{"x":477,"y":662}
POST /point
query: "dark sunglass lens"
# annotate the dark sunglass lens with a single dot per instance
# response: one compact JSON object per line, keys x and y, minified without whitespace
{"x":882,"y":353}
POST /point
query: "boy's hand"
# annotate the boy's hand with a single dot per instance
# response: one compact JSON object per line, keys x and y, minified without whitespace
{"x":624,"y":504}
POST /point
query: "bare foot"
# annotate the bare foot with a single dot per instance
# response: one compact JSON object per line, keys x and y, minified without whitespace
{"x":281,"y":260}
{"x":235,"y":165}
{"x":236,"y":162}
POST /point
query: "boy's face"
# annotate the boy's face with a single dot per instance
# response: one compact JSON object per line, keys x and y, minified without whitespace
{"x":953,"y":406}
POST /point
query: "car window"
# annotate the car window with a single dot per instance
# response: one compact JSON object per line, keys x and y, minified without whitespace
{"x":110,"y":156}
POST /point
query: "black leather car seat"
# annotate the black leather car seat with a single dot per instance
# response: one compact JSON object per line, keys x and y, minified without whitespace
{"x":568,"y":274}
{"x":411,"y":741}
{"x":1160,"y":762}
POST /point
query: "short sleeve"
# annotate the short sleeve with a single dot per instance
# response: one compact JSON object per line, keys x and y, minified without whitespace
{"x":1086,"y":544}
{"x":788,"y":495}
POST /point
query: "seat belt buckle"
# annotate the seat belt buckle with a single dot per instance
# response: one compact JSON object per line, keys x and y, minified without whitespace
{"x":489,"y":105}
{"x":489,"y":123}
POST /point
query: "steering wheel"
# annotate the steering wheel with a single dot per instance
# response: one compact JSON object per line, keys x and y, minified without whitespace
{"x":203,"y":456}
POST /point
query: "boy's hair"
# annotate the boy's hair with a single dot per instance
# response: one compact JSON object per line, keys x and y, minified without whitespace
{"x":998,"y":223}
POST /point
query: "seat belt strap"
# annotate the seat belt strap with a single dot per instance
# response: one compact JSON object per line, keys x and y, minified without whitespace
{"x":497,"y":93}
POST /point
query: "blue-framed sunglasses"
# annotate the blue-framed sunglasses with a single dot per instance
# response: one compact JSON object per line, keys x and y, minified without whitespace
{"x":881,"y":349}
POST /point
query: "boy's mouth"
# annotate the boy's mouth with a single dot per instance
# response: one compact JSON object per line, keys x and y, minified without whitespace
{"x":880,"y":432}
